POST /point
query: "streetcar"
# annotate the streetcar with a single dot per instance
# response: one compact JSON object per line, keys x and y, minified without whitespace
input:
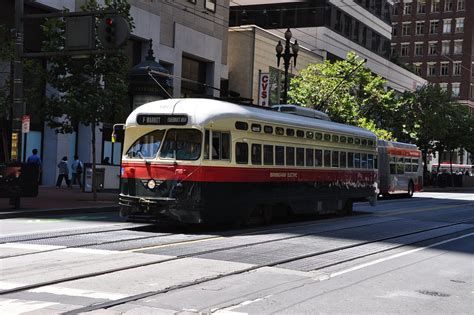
{"x":400,"y":168}
{"x":202,"y":161}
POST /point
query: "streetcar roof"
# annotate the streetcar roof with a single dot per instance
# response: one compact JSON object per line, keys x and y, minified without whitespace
{"x":394,"y":144}
{"x":201,"y":111}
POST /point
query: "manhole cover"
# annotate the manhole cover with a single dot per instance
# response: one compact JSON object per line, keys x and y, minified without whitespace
{"x":433,"y":293}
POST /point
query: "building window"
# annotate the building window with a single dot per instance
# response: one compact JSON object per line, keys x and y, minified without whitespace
{"x":446,"y":26}
{"x":420,"y":26}
{"x":458,"y":47}
{"x":432,"y":48}
{"x":393,"y":50}
{"x":421,"y":7}
{"x":210,"y":5}
{"x":434,"y":6}
{"x":455,"y":89}
{"x":394,"y":29}
{"x":443,"y":86}
{"x":457,"y":68}
{"x":433,"y":27}
{"x":445,"y":45}
{"x":448,"y":5}
{"x":404,"y":50}
{"x":407,"y":8}
{"x":417,"y":68}
{"x":431,"y":69}
{"x":418,"y":49}
{"x":406,"y":28}
{"x":459,"y":25}
{"x":444,"y":68}
{"x":461,"y":6}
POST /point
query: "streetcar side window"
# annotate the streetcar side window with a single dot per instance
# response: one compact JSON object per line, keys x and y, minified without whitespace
{"x":370,"y":161}
{"x":147,"y":146}
{"x":268,"y":154}
{"x":279,"y":131}
{"x":290,"y":156}
{"x":335,"y":159}
{"x":309,"y":157}
{"x":357,"y":160}
{"x":300,"y":133}
{"x":257,"y":154}
{"x":290,"y":132}
{"x":220,"y":145}
{"x":241,"y":153}
{"x":318,"y":157}
{"x":240,"y":125}
{"x":318,"y":136}
{"x":364,"y":161}
{"x":342,"y":160}
{"x":279,"y":155}
{"x":350,"y":159}
{"x":300,"y":156}
{"x":206,"y":144}
{"x":327,"y":158}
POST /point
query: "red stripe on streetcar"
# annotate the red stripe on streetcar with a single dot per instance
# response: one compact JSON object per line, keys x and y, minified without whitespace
{"x":403,"y":152}
{"x":244,"y":174}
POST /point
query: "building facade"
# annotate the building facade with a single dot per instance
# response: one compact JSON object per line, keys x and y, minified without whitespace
{"x":251,"y":54}
{"x":189,"y":41}
{"x":435,"y":39}
{"x":333,"y":28}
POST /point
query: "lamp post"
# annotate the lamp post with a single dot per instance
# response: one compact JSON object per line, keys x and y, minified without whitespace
{"x":286,"y":58}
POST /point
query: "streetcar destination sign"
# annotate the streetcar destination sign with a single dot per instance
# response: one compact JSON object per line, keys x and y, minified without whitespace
{"x":162,"y":119}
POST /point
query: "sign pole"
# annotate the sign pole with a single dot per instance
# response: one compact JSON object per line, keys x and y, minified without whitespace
{"x":18,"y":99}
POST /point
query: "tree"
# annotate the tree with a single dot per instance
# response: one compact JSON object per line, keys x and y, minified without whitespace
{"x":88,"y":90}
{"x":428,"y":117}
{"x":348,"y":92}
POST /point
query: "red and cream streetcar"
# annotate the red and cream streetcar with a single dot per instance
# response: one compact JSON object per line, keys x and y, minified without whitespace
{"x":208,"y":161}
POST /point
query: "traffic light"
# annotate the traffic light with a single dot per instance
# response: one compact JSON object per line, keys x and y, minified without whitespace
{"x":113,"y":31}
{"x":110,"y":30}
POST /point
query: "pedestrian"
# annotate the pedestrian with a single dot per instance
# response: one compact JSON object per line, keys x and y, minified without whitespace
{"x":63,"y":173}
{"x":35,"y":159}
{"x":76,"y":171}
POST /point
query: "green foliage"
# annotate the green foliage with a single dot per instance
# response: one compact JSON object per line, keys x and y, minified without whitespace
{"x":348,"y":92}
{"x":6,"y":56}
{"x":87,"y":90}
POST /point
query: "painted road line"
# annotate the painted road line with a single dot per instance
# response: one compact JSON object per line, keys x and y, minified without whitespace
{"x":78,"y":293}
{"x":381,"y":260}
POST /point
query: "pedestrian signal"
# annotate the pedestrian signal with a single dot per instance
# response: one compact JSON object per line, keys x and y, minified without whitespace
{"x":113,"y":31}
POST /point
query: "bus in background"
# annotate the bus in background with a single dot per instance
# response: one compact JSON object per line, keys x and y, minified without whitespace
{"x":400,"y":168}
{"x":459,"y":169}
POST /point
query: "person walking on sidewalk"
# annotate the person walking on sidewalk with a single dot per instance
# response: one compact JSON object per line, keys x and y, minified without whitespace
{"x":76,"y":167}
{"x":63,"y":173}
{"x":35,"y":159}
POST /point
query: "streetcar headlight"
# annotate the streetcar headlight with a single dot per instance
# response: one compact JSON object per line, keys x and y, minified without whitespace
{"x":151,"y":184}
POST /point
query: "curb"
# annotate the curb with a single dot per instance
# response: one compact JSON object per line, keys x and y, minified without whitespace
{"x":18,"y":213}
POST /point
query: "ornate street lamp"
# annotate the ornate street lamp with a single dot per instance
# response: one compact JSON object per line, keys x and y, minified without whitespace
{"x":286,"y":58}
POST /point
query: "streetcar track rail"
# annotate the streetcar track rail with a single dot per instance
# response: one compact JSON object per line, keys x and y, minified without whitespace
{"x":194,"y":255}
{"x":131,"y":298}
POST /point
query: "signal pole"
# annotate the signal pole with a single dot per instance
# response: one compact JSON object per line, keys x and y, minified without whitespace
{"x":18,"y":99}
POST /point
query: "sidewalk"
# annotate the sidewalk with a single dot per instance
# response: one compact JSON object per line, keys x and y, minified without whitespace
{"x":448,"y":189}
{"x":51,"y":200}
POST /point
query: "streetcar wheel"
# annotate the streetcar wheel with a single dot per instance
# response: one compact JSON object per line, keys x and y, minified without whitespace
{"x":348,"y":206}
{"x":411,"y":189}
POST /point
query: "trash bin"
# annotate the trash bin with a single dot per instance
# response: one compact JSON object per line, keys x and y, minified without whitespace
{"x":99,"y":178}
{"x":18,"y":180}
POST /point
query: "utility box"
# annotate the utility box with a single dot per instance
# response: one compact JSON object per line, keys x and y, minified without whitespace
{"x":99,"y":178}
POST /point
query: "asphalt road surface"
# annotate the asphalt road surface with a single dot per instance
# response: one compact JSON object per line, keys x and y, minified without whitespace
{"x":402,"y":256}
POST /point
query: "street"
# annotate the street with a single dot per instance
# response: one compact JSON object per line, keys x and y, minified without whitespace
{"x":405,"y":255}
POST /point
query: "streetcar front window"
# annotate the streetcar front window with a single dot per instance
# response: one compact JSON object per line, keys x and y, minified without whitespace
{"x":146,"y":146}
{"x":182,"y":144}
